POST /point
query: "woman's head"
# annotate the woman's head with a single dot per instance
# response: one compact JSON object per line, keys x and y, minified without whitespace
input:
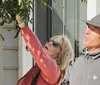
{"x":60,"y":49}
{"x":53,"y":47}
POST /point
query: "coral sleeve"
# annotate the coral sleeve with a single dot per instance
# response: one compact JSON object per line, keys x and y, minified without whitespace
{"x":47,"y":65}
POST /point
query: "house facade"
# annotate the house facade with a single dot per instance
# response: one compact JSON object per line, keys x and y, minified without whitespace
{"x":65,"y":18}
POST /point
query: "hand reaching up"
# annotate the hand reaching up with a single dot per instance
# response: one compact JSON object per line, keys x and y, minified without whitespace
{"x":20,"y":21}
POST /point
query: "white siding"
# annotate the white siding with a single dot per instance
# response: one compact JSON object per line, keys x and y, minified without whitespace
{"x":10,"y":57}
{"x":15,"y":60}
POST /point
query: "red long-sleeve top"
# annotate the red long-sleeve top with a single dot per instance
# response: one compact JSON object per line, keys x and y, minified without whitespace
{"x":50,"y":72}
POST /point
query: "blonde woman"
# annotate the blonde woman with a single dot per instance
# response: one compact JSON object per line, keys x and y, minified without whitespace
{"x":51,"y":59}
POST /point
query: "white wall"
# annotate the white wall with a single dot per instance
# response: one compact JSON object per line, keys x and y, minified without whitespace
{"x":91,"y":9}
{"x":9,"y":57}
{"x":25,"y":59}
{"x":82,"y":27}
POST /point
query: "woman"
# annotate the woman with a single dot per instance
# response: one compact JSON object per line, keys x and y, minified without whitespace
{"x":51,"y":59}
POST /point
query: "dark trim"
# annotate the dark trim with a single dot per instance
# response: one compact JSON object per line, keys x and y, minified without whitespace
{"x":49,"y":20}
{"x":33,"y":18}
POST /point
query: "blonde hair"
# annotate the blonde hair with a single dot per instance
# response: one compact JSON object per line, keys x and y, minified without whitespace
{"x":66,"y":54}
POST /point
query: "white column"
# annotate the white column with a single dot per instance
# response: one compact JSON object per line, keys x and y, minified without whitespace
{"x":91,"y":9}
{"x":25,"y":59}
{"x":98,"y":6}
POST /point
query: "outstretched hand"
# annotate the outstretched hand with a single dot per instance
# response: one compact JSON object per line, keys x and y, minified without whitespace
{"x":20,"y":21}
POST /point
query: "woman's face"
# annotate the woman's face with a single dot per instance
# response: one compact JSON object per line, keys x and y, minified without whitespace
{"x":53,"y":47}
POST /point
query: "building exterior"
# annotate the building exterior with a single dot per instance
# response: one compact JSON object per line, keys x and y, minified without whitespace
{"x":66,"y":18}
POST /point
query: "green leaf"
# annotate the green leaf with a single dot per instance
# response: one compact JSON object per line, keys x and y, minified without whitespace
{"x":85,"y":1}
{"x":3,"y":1}
{"x":9,"y":9}
{"x":2,"y":37}
{"x":45,"y":5}
{"x":2,"y":22}
{"x":17,"y":33}
{"x":28,"y":1}
{"x":19,"y":2}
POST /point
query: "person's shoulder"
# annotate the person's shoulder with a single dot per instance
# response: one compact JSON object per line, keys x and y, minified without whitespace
{"x":80,"y":58}
{"x":81,"y":54}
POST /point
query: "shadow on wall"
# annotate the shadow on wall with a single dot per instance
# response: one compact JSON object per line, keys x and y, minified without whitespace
{"x":57,"y":28}
{"x":74,"y":42}
{"x":57,"y":23}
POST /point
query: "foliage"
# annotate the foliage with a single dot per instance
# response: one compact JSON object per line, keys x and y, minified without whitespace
{"x":9,"y":9}
{"x":85,"y":1}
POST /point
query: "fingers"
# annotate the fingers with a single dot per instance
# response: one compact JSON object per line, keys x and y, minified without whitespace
{"x":19,"y":19}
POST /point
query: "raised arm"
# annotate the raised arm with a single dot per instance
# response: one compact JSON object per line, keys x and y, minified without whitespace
{"x":47,"y":65}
